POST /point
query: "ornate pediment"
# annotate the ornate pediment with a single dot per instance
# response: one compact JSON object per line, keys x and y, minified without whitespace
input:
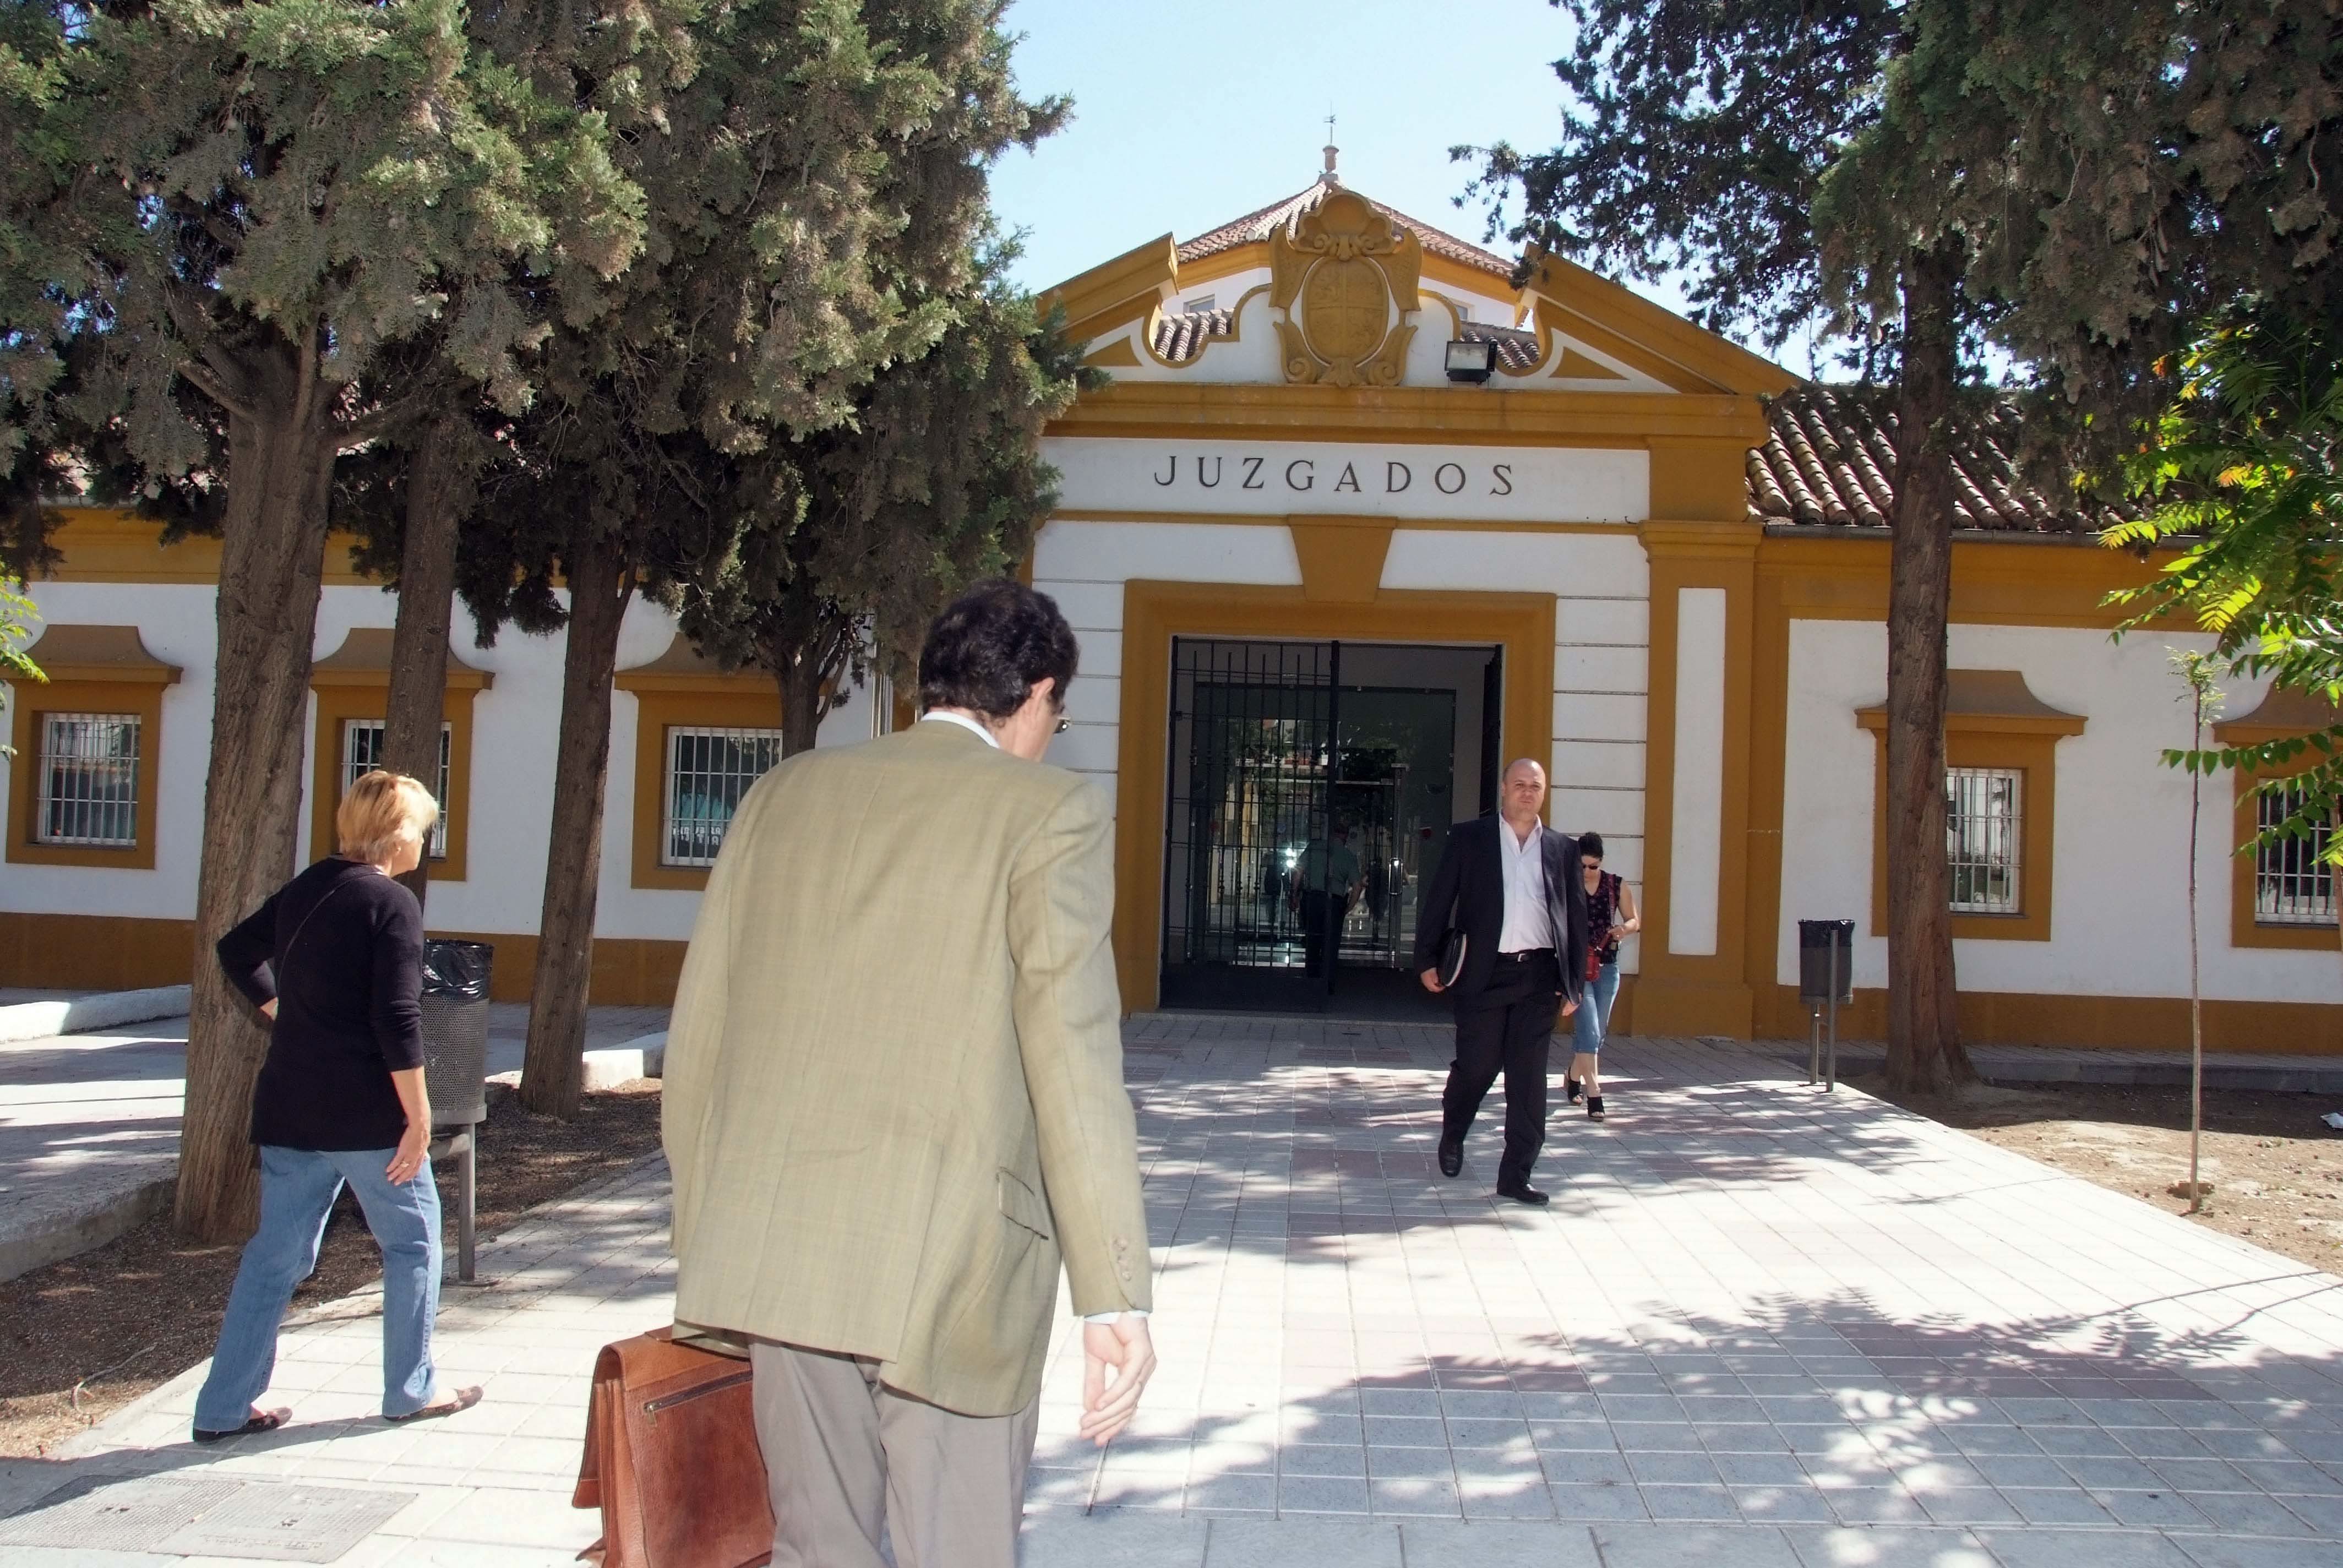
{"x":1345,"y":278}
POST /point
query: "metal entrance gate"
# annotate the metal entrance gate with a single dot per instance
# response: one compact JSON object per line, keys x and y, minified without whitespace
{"x":1295,"y":840}
{"x":1252,"y":763}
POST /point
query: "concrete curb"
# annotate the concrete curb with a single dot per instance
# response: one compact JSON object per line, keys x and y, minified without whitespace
{"x":78,"y":1015}
{"x":69,"y":1235}
{"x":645,"y":1056}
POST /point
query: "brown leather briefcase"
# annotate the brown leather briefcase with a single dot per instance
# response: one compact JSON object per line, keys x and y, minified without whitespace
{"x":672,"y":1459}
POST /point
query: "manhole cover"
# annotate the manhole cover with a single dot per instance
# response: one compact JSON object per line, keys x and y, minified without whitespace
{"x":288,"y":1524}
{"x":202,"y":1516}
{"x":121,"y":1513}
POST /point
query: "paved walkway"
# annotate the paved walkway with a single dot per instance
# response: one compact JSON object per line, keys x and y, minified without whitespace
{"x":89,"y":1124}
{"x":1760,"y":1325}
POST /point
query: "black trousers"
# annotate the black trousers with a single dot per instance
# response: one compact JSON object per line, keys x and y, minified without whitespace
{"x":1508,"y":1029}
{"x":1323,"y":915}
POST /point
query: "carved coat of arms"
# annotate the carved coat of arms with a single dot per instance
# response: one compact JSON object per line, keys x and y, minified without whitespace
{"x":1345,"y":278}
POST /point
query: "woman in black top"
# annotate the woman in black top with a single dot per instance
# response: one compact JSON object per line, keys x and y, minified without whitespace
{"x":1611,"y":914}
{"x":334,"y":959}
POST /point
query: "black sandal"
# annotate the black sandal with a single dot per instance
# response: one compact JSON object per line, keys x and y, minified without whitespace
{"x":262,"y":1421}
{"x":1594,"y":1108}
{"x":1572,"y":1089}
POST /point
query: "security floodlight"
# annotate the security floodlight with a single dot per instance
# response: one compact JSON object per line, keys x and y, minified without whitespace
{"x":1471,"y":361}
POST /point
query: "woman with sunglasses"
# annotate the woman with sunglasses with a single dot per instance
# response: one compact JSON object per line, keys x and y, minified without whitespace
{"x":1611,"y":914}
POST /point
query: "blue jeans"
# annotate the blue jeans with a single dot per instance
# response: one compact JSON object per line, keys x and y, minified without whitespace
{"x":298,"y":1189}
{"x":1593,"y":1019}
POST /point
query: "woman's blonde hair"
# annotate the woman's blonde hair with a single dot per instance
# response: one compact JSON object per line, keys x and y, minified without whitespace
{"x":378,"y":810}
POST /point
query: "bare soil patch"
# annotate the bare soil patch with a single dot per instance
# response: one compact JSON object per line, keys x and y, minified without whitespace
{"x":2275,"y":1170}
{"x":81,"y":1338}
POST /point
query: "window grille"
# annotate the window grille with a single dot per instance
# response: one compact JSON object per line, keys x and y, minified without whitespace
{"x":1982,"y":821}
{"x":362,"y":754}
{"x":708,"y":771}
{"x":2292,"y":887}
{"x":89,"y":781}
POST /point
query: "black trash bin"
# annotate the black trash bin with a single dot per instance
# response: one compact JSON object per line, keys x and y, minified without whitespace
{"x":456,"y":1069}
{"x":1815,"y":940}
{"x":1825,"y":980}
{"x":455,"y":1031}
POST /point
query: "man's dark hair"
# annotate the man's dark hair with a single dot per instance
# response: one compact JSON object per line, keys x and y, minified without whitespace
{"x":991,"y":645}
{"x":1591,"y":844}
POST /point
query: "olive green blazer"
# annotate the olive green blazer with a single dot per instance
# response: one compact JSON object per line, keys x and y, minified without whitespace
{"x":894,"y":1093}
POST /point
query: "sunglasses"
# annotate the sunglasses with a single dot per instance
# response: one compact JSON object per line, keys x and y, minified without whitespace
{"x":1063,"y":725}
{"x":1591,"y":865}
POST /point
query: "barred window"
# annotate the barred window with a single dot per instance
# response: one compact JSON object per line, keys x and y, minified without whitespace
{"x":708,"y":771}
{"x":362,"y":754}
{"x":1983,"y":808}
{"x":2292,"y":885}
{"x":88,"y":781}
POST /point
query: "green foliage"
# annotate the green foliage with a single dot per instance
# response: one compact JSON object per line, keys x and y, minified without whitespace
{"x":1695,"y":140}
{"x":816,"y":188}
{"x":937,"y":481}
{"x":2242,"y":471}
{"x":16,"y":618}
{"x":2113,"y":176}
{"x":204,"y":199}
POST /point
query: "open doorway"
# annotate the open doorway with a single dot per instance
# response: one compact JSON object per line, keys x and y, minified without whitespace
{"x":1311,"y":788}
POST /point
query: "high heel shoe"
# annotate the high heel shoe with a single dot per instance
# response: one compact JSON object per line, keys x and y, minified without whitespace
{"x":1594,"y":1108}
{"x":1572,"y":1089}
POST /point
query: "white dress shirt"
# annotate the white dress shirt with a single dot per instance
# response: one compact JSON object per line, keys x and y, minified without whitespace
{"x":1528,"y":922}
{"x":965,"y":722}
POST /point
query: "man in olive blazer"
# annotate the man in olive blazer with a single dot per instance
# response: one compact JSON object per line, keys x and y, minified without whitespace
{"x":894,"y":1103}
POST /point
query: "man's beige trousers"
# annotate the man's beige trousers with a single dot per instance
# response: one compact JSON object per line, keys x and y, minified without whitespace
{"x":847,"y":1457}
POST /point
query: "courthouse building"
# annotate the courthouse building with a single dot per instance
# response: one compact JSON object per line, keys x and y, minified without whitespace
{"x":1356,"y":522}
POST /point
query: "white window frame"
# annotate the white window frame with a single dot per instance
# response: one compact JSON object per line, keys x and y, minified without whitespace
{"x":362,"y":741}
{"x":1984,"y":839}
{"x":1200,"y":304}
{"x":703,"y":832}
{"x":106,"y":821}
{"x":2292,"y":887}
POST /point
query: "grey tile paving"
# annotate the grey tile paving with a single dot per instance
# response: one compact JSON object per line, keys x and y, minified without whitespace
{"x":1760,"y":1325}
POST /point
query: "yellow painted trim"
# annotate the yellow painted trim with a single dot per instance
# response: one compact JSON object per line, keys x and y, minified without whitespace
{"x":1118,"y":355}
{"x":1455,"y":415}
{"x":115,"y":545}
{"x":753,"y":704}
{"x":1995,"y":582}
{"x":1706,"y":993}
{"x":1153,"y":613}
{"x":1342,"y":558}
{"x":118,"y":692}
{"x":1596,"y":299}
{"x":1159,"y":314}
{"x":1279,"y":519}
{"x":1141,"y":272}
{"x":2029,"y":749}
{"x":2094,"y":1022}
{"x":1252,"y":257}
{"x":347,"y":696}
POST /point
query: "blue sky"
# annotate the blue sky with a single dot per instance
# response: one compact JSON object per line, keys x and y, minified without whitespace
{"x":1187,"y":114}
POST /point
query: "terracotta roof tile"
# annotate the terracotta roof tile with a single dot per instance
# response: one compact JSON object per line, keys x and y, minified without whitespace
{"x":1179,"y":339}
{"x":1830,"y":459}
{"x":1256,"y":225}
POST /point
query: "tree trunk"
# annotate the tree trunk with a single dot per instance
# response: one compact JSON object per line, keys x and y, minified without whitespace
{"x":600,"y":583}
{"x":417,"y":706}
{"x":800,"y":682}
{"x":1923,"y":1044}
{"x":272,"y":564}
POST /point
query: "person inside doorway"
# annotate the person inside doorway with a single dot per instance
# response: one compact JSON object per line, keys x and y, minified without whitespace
{"x":1505,"y":883}
{"x":1324,"y":879}
{"x":1611,"y":914}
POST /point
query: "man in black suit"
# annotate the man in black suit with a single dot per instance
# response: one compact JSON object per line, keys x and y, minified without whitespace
{"x":1512,"y":885}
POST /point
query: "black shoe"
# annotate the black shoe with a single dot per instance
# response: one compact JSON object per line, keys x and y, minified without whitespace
{"x":1451,"y":1156}
{"x":1594,"y":1108}
{"x":1572,"y":1089}
{"x":1522,"y":1192}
